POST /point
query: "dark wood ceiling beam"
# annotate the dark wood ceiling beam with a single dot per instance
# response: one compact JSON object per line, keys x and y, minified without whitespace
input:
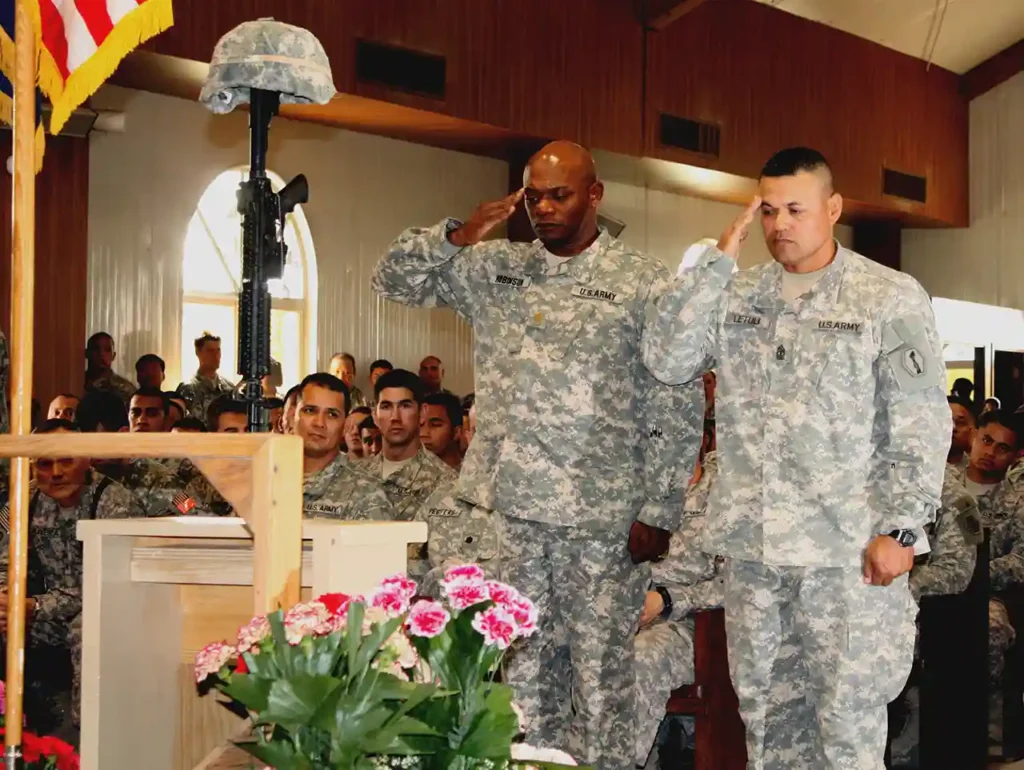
{"x":658,"y":14}
{"x":994,"y":71}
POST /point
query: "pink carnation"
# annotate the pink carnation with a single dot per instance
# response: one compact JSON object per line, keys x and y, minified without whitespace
{"x":212,"y":658}
{"x":501,"y":593}
{"x":401,"y":584}
{"x":463,"y":594}
{"x":251,"y":634}
{"x":304,"y":620}
{"x":393,"y":602}
{"x":337,"y":603}
{"x":524,"y":614}
{"x":496,"y":626}
{"x":469,"y":572}
{"x":427,"y":618}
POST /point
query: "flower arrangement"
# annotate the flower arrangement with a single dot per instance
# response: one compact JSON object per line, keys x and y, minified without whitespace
{"x":40,"y":752}
{"x":354,"y":683}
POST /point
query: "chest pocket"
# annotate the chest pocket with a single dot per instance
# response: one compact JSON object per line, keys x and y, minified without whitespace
{"x":746,"y":334}
{"x":837,"y":353}
{"x":555,"y":332}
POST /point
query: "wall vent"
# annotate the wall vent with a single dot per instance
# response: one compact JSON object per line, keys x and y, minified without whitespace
{"x":690,"y":135}
{"x":906,"y":186}
{"x":400,"y":69}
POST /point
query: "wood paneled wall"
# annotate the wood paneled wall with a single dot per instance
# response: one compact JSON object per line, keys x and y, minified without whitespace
{"x":586,"y":70}
{"x":62,"y":215}
{"x":770,"y":79}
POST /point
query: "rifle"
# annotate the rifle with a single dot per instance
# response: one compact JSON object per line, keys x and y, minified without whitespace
{"x":263,"y":254}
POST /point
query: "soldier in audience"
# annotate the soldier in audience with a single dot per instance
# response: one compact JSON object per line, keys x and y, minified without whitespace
{"x":468,"y":426}
{"x":432,"y":374}
{"x":964,"y":424}
{"x":207,"y":384}
{"x":148,"y":411}
{"x":830,"y":394}
{"x":685,"y":582}
{"x":179,"y":408}
{"x":994,"y":449}
{"x":351,"y":442}
{"x":63,"y":407}
{"x":370,"y":435}
{"x":227,"y":415}
{"x":319,"y":421}
{"x":343,"y":366}
{"x":99,"y":376}
{"x":991,"y":405}
{"x":564,"y":401}
{"x":377,"y":368}
{"x":189,"y":425}
{"x":149,"y":371}
{"x":276,"y":408}
{"x":441,"y":427}
{"x":67,"y":491}
{"x":291,"y":402}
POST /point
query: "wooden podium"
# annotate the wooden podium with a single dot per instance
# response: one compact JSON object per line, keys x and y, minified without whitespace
{"x":157,"y":590}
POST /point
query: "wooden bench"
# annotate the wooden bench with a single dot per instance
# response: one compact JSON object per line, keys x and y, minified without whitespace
{"x":720,"y":737}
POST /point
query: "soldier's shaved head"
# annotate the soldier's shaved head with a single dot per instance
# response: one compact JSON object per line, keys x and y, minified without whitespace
{"x":562,"y":195}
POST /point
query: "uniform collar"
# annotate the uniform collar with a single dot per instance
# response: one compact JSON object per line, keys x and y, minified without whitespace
{"x":767,"y":295}
{"x":581,"y":267}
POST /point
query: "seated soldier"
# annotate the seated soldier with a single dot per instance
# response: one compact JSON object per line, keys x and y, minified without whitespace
{"x":441,"y":427}
{"x":67,"y":491}
{"x":994,"y":449}
{"x":685,"y":582}
{"x":409,"y":472}
{"x":351,"y":444}
{"x":369,"y":434}
{"x":322,"y":404}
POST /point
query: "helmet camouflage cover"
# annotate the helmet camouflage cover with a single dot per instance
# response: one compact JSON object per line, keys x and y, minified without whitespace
{"x":272,"y":56}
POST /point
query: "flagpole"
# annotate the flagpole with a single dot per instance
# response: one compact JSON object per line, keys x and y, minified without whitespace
{"x":23,"y":217}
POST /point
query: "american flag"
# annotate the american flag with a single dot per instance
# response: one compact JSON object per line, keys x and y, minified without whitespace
{"x":81,"y":43}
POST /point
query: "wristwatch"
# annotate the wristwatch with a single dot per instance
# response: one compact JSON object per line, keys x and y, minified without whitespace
{"x":666,"y":600}
{"x":905,"y":537}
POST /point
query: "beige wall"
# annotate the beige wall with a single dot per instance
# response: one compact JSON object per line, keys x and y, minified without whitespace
{"x":983,"y":263}
{"x":145,"y":183}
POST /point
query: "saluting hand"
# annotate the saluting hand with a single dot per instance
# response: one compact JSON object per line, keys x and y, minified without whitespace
{"x":885,"y":560}
{"x":486,"y":217}
{"x":738,"y":231}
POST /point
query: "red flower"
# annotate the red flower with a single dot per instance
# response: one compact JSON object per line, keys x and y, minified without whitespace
{"x":241,"y":668}
{"x":336,"y":604}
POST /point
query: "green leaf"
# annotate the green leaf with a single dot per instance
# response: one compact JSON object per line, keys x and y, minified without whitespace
{"x":494,"y":727}
{"x":279,"y":755}
{"x":263,"y":664}
{"x":248,"y":690}
{"x":292,"y":702}
{"x":353,"y":635}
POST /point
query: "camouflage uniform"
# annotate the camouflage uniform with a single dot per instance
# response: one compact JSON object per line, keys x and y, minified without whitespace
{"x":161,"y":492}
{"x":1004,"y":502}
{"x":459,"y":533}
{"x":834,"y":430}
{"x":55,"y":582}
{"x":575,"y":441}
{"x":356,"y":398}
{"x":664,"y":649}
{"x":200,"y":489}
{"x":201,"y":392}
{"x":111,"y":383}
{"x":953,"y":537}
{"x":339,"y":491}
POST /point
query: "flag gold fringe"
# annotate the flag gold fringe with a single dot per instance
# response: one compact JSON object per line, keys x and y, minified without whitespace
{"x":149,"y":19}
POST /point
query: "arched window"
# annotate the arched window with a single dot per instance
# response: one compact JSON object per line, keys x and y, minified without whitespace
{"x":211,"y":280}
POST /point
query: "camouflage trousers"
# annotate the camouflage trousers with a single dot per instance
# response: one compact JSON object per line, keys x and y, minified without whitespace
{"x":574,"y":679}
{"x":850,"y":645}
{"x":1001,"y":636}
{"x":664,"y":661}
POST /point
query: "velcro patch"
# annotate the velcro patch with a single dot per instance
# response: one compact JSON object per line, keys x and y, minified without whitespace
{"x":844,"y":326}
{"x":515,"y":281}
{"x":741,"y":319}
{"x":585,"y":292}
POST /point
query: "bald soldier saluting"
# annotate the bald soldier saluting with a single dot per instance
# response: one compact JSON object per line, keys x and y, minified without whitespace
{"x":583,"y":455}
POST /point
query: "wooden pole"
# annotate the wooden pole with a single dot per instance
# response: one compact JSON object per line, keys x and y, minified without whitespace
{"x":23,"y":217}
